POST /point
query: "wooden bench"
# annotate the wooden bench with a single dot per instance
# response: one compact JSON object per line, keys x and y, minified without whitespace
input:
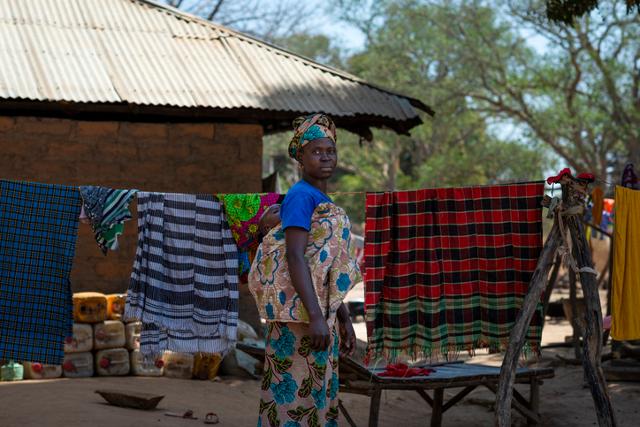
{"x":358,"y":379}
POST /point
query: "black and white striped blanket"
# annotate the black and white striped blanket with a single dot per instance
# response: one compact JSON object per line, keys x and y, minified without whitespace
{"x":184,"y":284}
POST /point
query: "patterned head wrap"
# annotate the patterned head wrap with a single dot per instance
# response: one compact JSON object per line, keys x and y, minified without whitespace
{"x":309,"y":128}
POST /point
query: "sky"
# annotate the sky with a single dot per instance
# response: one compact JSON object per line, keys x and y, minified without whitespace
{"x":349,"y":38}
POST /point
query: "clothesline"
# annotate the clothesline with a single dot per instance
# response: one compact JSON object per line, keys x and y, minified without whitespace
{"x":357,"y":193}
{"x":606,"y":182}
{"x":362,"y":193}
{"x":347,"y":193}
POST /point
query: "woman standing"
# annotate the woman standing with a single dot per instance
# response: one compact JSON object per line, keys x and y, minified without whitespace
{"x":301,"y":274}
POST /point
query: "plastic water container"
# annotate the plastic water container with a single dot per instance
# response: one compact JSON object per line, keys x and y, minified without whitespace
{"x":145,"y":368}
{"x":81,"y":340}
{"x":12,"y":371}
{"x":178,"y":365}
{"x":115,"y":306}
{"x":108,"y":334}
{"x":132,"y":335}
{"x":206,"y":365}
{"x":112,"y":362}
{"x":78,"y":365}
{"x":89,"y":307}
{"x":41,"y":371}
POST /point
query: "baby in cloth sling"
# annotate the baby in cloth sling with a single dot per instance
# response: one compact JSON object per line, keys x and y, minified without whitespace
{"x":329,"y":257}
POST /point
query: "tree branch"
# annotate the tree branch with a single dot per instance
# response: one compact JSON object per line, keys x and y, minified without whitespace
{"x":215,"y":10}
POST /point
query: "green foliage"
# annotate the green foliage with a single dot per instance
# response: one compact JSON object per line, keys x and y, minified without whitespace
{"x":410,"y":53}
{"x":505,"y":112}
{"x":407,"y":54}
{"x":579,"y":98}
{"x":567,"y":11}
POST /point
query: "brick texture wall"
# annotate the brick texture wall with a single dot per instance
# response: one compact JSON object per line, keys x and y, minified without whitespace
{"x":187,"y":158}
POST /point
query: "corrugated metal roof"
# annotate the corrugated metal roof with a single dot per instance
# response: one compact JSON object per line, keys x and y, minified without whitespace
{"x":138,"y":52}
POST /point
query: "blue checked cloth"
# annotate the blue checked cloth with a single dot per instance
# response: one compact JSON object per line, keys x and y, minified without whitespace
{"x":38,"y":231}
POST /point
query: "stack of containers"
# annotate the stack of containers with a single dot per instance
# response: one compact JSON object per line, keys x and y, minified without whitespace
{"x":98,"y":327}
{"x":88,"y":308}
{"x":140,"y":365}
{"x":111,"y":356}
{"x":103,"y":345}
{"x":173,"y":365}
{"x":41,"y":371}
{"x":206,"y":365}
{"x":178,"y":365}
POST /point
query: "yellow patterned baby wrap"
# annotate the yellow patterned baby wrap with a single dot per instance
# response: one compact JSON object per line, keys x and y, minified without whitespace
{"x":330,"y":260}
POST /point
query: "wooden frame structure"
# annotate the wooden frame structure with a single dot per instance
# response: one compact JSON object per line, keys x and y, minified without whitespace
{"x":358,"y":379}
{"x":355,"y":378}
{"x":567,"y":239}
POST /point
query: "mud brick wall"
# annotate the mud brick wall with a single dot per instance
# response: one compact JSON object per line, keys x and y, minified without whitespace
{"x":165,"y":157}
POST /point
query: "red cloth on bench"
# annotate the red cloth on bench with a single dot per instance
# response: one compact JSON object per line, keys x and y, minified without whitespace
{"x":401,"y":370}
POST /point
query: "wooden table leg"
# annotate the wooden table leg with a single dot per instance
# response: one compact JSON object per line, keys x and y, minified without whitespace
{"x":425,"y":397}
{"x":346,"y":414}
{"x":534,"y":400}
{"x":374,"y":409}
{"x":436,"y":414}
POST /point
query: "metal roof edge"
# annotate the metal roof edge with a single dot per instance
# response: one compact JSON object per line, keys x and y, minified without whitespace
{"x":277,"y":120}
{"x":415,"y":102}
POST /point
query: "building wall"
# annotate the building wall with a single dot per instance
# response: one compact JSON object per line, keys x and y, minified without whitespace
{"x":186,"y":158}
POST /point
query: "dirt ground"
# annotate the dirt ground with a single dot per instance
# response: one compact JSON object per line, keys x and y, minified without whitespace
{"x":565,"y":401}
{"x":72,"y":402}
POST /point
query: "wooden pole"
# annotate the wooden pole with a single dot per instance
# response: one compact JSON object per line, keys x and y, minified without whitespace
{"x":575,"y":326}
{"x":566,"y":216}
{"x":518,"y":334}
{"x":605,"y":272}
{"x":610,"y":278}
{"x":609,"y":270}
{"x":436,"y":414}
{"x":592,"y":328}
{"x":374,"y":408}
{"x":550,"y":285}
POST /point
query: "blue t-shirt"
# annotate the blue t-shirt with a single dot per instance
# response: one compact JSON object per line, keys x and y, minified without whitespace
{"x":299,"y":204}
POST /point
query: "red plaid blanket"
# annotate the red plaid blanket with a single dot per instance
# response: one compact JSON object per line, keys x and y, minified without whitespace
{"x":447,"y":269}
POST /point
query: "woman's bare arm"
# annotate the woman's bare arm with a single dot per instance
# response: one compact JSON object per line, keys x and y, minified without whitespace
{"x":296,"y":243}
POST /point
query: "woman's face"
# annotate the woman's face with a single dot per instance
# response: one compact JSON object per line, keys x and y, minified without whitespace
{"x":319,"y":158}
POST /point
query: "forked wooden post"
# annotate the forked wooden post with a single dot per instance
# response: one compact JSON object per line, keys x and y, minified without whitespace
{"x":566,"y":220}
{"x":538,"y":283}
{"x":592,"y":330}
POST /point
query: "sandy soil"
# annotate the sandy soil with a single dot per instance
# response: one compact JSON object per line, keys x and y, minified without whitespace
{"x":72,"y":402}
{"x":565,"y":401}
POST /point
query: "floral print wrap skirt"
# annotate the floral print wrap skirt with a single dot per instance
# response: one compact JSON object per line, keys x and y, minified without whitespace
{"x":299,"y":386}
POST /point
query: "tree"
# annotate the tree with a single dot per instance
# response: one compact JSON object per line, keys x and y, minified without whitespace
{"x":455,"y":147}
{"x":580,"y":97}
{"x":589,"y":86}
{"x":318,"y":48}
{"x":406,"y":54}
{"x":566,"y":11}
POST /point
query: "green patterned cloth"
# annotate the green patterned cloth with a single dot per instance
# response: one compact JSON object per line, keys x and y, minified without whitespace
{"x":107,"y":210}
{"x":243,"y":212}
